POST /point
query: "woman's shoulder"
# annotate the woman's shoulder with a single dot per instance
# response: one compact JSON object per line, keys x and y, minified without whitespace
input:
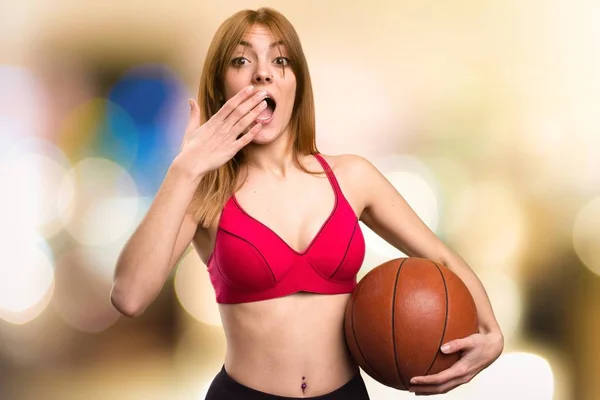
{"x":354,"y":173}
{"x":350,"y":165}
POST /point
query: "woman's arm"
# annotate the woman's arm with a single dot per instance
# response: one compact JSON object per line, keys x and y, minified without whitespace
{"x":388,"y":214}
{"x":167,"y":229}
{"x":156,"y":245}
{"x":391,"y":217}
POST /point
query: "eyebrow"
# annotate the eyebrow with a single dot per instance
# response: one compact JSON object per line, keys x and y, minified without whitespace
{"x":274,"y":44}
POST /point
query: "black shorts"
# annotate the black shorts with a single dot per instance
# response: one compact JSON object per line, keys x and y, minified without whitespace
{"x":224,"y":387}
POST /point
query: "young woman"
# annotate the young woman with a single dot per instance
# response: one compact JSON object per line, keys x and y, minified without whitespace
{"x":276,"y":223}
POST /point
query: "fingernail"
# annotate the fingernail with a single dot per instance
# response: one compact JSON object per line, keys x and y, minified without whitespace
{"x":250,"y":88}
{"x":445,"y":348}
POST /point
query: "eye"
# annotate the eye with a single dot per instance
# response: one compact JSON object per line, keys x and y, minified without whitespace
{"x":239,"y":61}
{"x":282,"y":61}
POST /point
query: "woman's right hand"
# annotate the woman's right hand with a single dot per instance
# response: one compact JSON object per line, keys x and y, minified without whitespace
{"x":208,"y":146}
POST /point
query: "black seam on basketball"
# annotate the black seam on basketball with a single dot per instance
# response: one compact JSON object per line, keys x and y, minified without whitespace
{"x":356,"y":341}
{"x":394,"y":325}
{"x":445,"y":320}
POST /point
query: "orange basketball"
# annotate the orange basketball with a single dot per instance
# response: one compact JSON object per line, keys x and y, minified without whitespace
{"x":399,"y":316}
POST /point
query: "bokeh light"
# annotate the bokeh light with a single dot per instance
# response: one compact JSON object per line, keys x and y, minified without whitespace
{"x":30,"y":174}
{"x":26,"y":277}
{"x":564,"y":149}
{"x":586,"y":235}
{"x":506,"y":299}
{"x":451,"y":178}
{"x":98,"y":201}
{"x":516,"y":375}
{"x":82,"y":296}
{"x":200,"y":351}
{"x":488,"y":226}
{"x":156,"y":100}
{"x":194,"y":290}
{"x":23,"y":106}
{"x":99,"y":128}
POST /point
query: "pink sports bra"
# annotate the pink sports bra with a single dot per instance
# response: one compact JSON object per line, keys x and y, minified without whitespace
{"x":250,"y":262}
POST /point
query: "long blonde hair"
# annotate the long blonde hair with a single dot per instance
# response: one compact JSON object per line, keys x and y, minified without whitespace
{"x":217,"y":186}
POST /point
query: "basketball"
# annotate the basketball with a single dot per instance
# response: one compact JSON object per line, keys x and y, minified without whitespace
{"x":399,"y":316}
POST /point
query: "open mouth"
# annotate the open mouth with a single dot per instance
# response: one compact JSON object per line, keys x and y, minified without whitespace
{"x":270,"y":103}
{"x":267,"y":115}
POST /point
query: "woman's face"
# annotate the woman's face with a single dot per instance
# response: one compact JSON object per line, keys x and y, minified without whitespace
{"x":260,"y":60}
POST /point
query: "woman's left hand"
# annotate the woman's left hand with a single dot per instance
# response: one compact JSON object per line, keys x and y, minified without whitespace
{"x":479,"y":351}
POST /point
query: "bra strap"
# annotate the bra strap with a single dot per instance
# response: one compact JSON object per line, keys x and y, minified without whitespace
{"x":329,"y":173}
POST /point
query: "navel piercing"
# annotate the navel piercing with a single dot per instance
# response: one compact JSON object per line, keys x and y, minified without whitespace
{"x":303,"y":385}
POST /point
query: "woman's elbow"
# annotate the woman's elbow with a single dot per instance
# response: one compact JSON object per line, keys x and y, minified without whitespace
{"x":125,"y":305}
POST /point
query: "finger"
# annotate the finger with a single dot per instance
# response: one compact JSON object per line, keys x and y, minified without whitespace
{"x":233,"y":103}
{"x":248,"y":118}
{"x":243,"y":109}
{"x":458,"y":344}
{"x":427,"y":390}
{"x":247,"y":138}
{"x":457,"y":370}
{"x":194,"y":121}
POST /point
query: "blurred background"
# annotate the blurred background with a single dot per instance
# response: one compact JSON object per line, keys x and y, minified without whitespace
{"x":484,"y":115}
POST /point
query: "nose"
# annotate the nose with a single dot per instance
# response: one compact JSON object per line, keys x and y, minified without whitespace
{"x":262,"y":76}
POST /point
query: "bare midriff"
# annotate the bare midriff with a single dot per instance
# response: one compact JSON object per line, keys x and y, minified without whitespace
{"x":292,"y":346}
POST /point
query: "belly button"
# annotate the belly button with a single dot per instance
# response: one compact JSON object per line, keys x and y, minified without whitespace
{"x":303,"y":386}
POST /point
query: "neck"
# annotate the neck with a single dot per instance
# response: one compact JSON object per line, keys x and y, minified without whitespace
{"x":275,"y":157}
